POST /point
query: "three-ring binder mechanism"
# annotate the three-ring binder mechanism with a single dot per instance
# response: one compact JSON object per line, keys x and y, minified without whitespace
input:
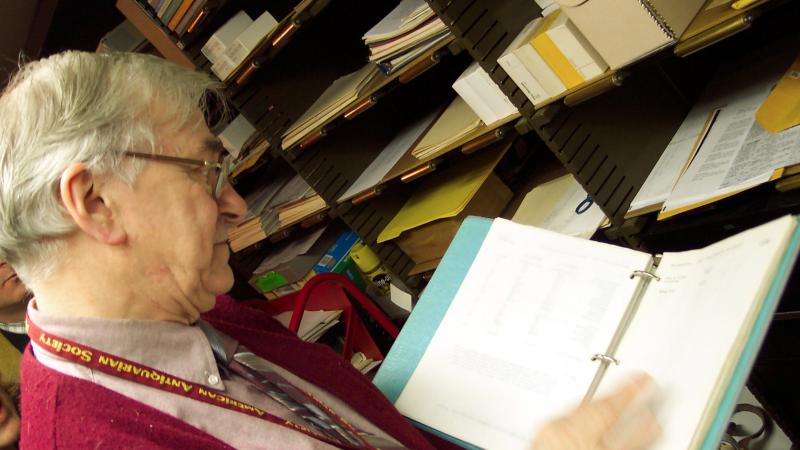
{"x":608,"y":357}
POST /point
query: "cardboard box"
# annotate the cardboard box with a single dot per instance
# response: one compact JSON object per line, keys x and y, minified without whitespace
{"x":623,"y":31}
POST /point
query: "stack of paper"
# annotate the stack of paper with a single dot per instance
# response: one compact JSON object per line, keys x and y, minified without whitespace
{"x":458,"y":123}
{"x":291,"y":196}
{"x":410,"y":30}
{"x":313,"y":324}
{"x":389,"y":156}
{"x":363,"y":363}
{"x":339,"y":95}
{"x":295,"y":211}
{"x":720,"y":149}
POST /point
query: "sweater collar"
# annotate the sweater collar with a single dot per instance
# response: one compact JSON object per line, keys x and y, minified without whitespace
{"x":177,"y":349}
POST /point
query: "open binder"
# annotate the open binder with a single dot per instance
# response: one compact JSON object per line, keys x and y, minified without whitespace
{"x":519,"y":323}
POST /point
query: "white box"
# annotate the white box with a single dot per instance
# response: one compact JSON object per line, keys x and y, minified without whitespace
{"x":578,"y":51}
{"x":223,"y":38}
{"x":483,"y":95}
{"x":528,"y":69}
{"x":236,"y":134}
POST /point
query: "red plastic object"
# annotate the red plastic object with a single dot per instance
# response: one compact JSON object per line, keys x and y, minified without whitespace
{"x":329,"y":291}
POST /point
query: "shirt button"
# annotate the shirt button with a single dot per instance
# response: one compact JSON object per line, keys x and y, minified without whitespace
{"x":213,"y":379}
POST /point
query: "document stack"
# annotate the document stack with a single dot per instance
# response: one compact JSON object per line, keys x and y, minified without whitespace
{"x":550,"y":56}
{"x":720,"y":148}
{"x":410,"y":30}
{"x":458,"y":123}
{"x":339,"y":95}
{"x":275,"y":206}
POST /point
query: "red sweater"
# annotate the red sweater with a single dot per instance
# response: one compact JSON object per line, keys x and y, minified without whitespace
{"x":60,"y":411}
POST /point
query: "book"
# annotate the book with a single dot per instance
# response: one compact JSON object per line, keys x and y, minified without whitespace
{"x":125,"y":37}
{"x":190,"y":16}
{"x":180,"y":11}
{"x":520,"y":324}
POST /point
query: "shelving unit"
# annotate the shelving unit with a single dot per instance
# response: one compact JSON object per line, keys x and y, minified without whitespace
{"x":608,"y":133}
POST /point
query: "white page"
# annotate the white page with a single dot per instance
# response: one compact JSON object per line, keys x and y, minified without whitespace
{"x":692,"y":321}
{"x":662,"y":178}
{"x":559,"y":205}
{"x":389,"y":156}
{"x":733,"y":86}
{"x":738,"y":154}
{"x":404,"y":17}
{"x":516,"y":343}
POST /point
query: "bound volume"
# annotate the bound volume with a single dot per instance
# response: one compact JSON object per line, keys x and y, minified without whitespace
{"x":519,"y":323}
{"x":623,"y":31}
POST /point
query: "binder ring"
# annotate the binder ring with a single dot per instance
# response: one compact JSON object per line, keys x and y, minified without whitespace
{"x":644,"y":273}
{"x":605,"y":358}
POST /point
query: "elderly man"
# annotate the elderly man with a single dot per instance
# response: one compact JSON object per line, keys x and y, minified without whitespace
{"x":115,"y":210}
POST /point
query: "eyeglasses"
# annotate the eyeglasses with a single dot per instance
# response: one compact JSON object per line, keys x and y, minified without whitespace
{"x":216,"y":173}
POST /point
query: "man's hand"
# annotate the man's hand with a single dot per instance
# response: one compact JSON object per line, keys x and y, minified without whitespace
{"x":621,"y":421}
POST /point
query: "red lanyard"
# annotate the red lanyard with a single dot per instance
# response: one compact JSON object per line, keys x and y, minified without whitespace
{"x":144,"y":375}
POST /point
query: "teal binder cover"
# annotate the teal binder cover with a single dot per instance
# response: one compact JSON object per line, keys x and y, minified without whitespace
{"x":409,"y":347}
{"x":748,"y":356}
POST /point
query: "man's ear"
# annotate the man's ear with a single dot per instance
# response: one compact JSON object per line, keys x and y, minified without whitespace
{"x":82,"y":197}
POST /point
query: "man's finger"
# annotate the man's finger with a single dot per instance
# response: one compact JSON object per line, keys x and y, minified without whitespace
{"x":598,"y":417}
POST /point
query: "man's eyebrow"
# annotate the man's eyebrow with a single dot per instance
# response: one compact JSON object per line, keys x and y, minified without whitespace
{"x":214,"y":146}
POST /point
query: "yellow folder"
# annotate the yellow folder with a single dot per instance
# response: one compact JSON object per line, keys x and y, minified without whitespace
{"x":781,"y":110}
{"x":444,"y":195}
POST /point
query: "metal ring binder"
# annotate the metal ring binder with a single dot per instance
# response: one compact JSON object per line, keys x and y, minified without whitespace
{"x":605,"y":358}
{"x":644,"y":273}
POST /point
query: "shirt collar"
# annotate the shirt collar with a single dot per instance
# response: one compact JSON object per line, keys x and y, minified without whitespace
{"x":15,"y":327}
{"x":177,"y":349}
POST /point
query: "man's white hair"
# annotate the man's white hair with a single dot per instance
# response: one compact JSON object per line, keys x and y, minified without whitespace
{"x":80,"y":107}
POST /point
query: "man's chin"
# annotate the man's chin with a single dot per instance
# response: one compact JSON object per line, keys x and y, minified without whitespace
{"x":220,"y":282}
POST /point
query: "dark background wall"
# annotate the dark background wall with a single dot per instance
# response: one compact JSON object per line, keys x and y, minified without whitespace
{"x":30,"y":29}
